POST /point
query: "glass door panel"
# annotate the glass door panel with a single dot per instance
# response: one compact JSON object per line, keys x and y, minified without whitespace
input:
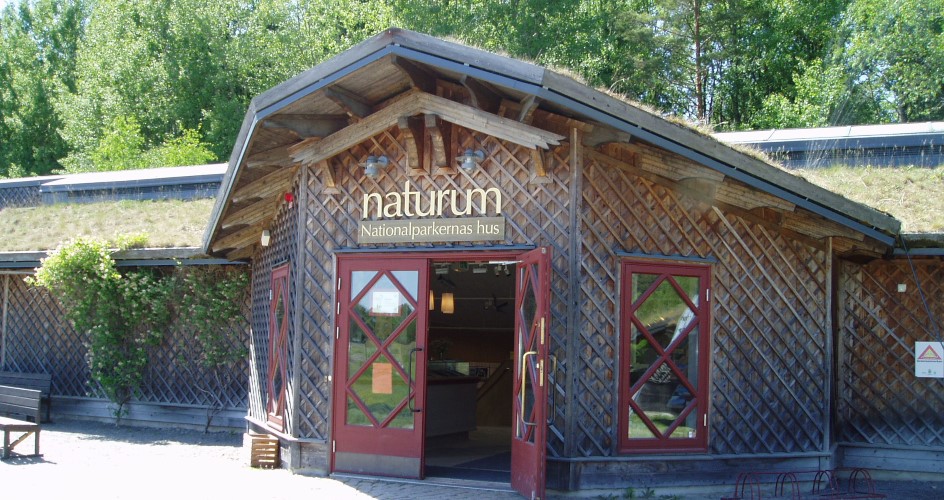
{"x":381,"y":339}
{"x":277,"y":374}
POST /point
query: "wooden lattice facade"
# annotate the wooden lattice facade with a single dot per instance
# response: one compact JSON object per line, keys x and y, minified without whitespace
{"x":797,"y":323}
{"x":884,"y":413}
{"x":177,"y":389}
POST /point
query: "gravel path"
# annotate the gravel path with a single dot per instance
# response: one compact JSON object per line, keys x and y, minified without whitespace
{"x":92,"y":460}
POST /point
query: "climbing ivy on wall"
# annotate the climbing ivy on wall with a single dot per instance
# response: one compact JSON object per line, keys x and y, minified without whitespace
{"x":212,"y":300}
{"x":122,"y":314}
{"x":125,"y":314}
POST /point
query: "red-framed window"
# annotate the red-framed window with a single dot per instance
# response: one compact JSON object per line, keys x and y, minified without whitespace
{"x":664,"y":357}
{"x":277,"y":375}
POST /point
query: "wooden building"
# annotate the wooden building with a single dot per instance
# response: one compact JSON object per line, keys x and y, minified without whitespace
{"x":36,"y":337}
{"x":453,"y":251}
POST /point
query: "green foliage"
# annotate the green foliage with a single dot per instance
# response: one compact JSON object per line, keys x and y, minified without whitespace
{"x":123,"y":148}
{"x":895,"y":52}
{"x":38,"y":43}
{"x":185,"y":149}
{"x":176,"y":76}
{"x":123,"y":314}
{"x":211,"y":300}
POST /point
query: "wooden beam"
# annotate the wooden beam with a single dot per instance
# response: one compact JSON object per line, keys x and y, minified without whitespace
{"x":604,"y":135}
{"x":352,"y":104}
{"x":330,"y":181}
{"x":274,"y":183}
{"x":540,"y":172}
{"x":438,"y":138}
{"x":242,"y":253}
{"x":483,"y":96}
{"x":420,"y":77}
{"x":705,"y":188}
{"x":278,"y":157}
{"x":308,"y":125}
{"x":769,"y":214}
{"x":252,"y":214}
{"x":240,"y":238}
{"x":412,"y":131}
{"x":528,"y":106}
{"x":422,"y":103}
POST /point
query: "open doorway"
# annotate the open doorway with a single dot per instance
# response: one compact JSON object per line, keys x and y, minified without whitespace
{"x":471,"y":370}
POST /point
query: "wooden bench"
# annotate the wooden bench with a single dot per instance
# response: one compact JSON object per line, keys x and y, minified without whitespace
{"x":20,"y":402}
{"x":41,"y":382}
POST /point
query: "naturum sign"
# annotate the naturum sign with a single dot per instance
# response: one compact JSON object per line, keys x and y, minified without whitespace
{"x":384,"y":217}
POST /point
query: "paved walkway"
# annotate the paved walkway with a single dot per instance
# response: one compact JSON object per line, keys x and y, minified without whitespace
{"x":90,"y":460}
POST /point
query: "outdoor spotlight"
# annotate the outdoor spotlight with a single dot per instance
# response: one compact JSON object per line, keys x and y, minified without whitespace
{"x":373,"y":165}
{"x":470,"y":159}
{"x":266,"y":236}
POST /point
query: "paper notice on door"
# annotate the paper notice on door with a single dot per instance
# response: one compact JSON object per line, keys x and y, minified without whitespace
{"x":382,"y":378}
{"x":385,"y":304}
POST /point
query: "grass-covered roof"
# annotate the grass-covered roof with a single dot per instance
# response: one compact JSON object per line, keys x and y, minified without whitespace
{"x":165,"y":223}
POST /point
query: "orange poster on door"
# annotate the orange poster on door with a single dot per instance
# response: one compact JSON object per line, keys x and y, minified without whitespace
{"x":382,"y":378}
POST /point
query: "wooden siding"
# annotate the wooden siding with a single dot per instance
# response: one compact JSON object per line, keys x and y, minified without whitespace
{"x":770,"y":321}
{"x":282,"y":249}
{"x":537,"y":214}
{"x":880,"y":401}
{"x":770,"y":365}
{"x":38,"y":339}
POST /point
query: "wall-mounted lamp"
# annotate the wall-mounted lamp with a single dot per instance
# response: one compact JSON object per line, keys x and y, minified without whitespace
{"x":470,"y":159}
{"x":448,"y":303}
{"x":266,"y":237}
{"x":373,"y":165}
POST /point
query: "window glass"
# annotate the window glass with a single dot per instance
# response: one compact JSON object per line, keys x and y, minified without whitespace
{"x":664,"y":324}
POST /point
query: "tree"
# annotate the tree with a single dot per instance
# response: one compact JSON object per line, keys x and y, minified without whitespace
{"x":894,"y":52}
{"x":38,"y":46}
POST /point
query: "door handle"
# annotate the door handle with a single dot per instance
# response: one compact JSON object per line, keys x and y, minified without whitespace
{"x":524,"y":370}
{"x":409,"y":373}
{"x":550,"y":415}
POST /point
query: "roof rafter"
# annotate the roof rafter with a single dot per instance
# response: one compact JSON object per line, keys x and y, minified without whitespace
{"x":241,"y":237}
{"x":351,"y":103}
{"x":306,"y":126}
{"x":309,"y":151}
{"x":269,"y":185}
{"x":420,"y":77}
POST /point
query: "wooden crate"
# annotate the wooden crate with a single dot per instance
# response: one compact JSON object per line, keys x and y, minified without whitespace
{"x":264,"y":451}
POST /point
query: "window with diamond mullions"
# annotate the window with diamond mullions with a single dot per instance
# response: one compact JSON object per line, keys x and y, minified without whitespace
{"x":664,"y":357}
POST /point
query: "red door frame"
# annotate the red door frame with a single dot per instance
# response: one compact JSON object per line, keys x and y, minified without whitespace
{"x":378,"y":449}
{"x":529,"y":429}
{"x":537,"y":464}
{"x":278,"y":349}
{"x":645,"y":445}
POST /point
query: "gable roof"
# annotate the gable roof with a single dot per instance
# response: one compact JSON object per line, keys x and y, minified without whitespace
{"x":300,"y":121}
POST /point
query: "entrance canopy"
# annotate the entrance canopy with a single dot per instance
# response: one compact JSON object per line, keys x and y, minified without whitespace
{"x":422,"y":84}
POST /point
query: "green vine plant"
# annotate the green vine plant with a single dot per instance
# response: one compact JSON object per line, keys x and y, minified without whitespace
{"x":126,"y":314}
{"x":212,"y":300}
{"x":122,"y":314}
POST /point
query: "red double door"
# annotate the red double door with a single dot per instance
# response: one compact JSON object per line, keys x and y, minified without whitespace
{"x":380,"y":367}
